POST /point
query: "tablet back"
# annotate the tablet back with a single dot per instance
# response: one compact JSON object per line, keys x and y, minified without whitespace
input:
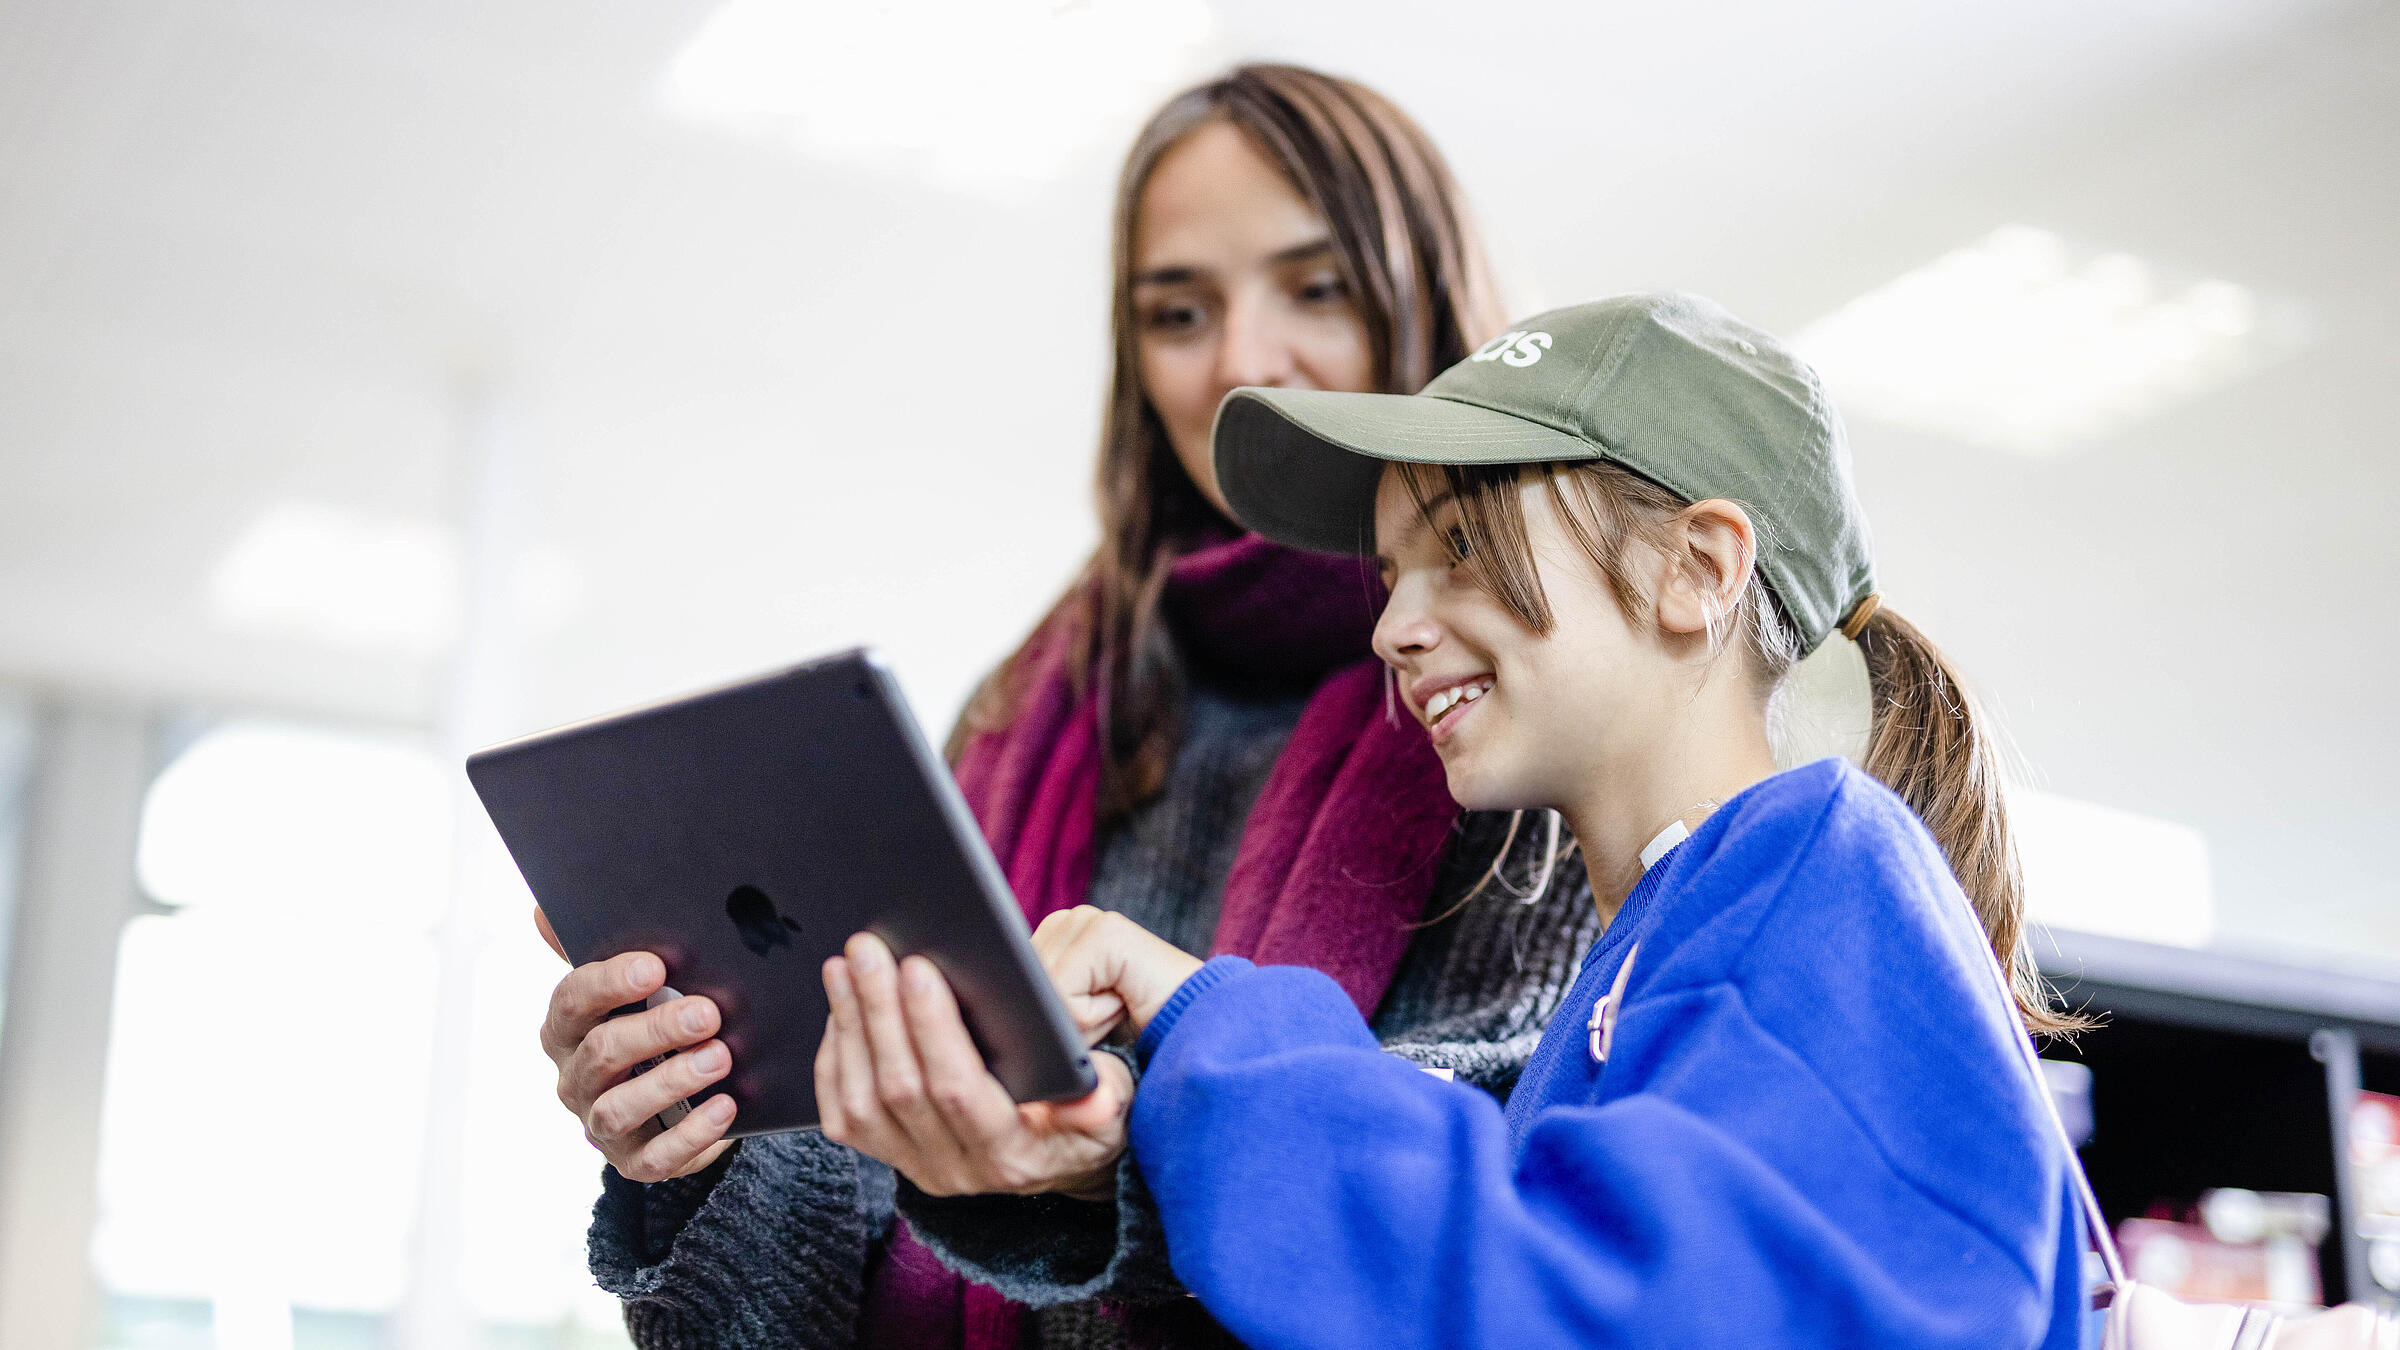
{"x":743,"y":834}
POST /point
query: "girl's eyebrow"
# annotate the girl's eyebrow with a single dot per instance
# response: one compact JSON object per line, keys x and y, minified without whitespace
{"x":1418,"y":522}
{"x":1305,"y":251}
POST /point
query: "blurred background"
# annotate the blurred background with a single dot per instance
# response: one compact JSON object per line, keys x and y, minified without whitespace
{"x":379,"y":380}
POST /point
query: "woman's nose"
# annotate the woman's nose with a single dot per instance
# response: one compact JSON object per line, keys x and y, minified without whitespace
{"x":1254,"y":348}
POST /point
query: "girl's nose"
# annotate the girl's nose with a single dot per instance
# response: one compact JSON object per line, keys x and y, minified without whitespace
{"x":1405,"y":631}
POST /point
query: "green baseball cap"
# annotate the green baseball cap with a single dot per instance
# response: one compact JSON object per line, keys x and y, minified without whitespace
{"x":1669,"y":386}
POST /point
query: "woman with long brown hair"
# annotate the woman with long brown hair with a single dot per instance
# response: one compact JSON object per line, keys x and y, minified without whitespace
{"x":1197,"y":735}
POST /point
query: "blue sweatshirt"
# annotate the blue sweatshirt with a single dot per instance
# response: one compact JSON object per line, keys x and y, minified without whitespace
{"x":1811,"y":1129}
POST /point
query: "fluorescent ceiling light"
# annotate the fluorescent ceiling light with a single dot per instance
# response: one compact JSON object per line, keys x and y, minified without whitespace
{"x":343,"y":579}
{"x":384,"y":584}
{"x":2024,"y":342}
{"x":2098,"y":869}
{"x":994,"y":95}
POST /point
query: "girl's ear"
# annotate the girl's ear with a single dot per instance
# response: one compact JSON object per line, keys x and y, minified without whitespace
{"x":1711,"y":549}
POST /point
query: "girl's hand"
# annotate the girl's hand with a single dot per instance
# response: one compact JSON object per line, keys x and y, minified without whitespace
{"x":596,"y":1052}
{"x":899,"y":1079}
{"x":1110,"y":969}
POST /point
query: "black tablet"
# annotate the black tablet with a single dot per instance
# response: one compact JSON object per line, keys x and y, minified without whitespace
{"x":743,"y":833}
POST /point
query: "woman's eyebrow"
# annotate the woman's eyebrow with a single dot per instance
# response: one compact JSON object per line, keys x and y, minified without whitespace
{"x":1168,"y":276}
{"x":1179,"y":274}
{"x":1307,"y":251}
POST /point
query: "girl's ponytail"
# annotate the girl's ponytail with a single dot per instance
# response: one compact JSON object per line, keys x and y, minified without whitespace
{"x":1928,"y":743}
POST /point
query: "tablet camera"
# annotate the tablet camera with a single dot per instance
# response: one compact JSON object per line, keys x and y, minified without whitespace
{"x":754,"y":916}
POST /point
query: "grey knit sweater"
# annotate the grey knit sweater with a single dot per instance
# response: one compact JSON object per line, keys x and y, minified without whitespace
{"x":770,"y":1246}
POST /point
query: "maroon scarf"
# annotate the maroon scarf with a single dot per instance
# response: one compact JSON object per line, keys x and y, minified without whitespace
{"x":1334,"y":865}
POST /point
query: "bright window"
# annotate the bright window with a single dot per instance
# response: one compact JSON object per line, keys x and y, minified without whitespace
{"x":270,"y":1064}
{"x":16,"y":765}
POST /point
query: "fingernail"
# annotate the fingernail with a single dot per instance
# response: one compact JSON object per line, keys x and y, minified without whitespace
{"x":693,"y":1017}
{"x":719,"y":1108}
{"x":869,"y":954}
{"x":919,"y":975}
{"x":708,"y":1059}
{"x":643,"y":972}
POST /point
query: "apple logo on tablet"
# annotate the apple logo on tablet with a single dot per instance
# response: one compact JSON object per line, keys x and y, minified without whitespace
{"x":762,"y":929}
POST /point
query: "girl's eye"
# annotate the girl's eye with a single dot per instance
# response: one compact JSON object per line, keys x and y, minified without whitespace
{"x":1460,"y":549}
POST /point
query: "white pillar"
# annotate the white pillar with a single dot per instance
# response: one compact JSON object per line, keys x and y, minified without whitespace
{"x":92,"y":765}
{"x":480,"y":705}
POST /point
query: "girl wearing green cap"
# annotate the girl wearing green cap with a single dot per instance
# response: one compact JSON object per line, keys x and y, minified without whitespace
{"x":1786,"y":1101}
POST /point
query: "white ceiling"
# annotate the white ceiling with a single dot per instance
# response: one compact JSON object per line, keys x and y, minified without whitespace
{"x":261,"y":251}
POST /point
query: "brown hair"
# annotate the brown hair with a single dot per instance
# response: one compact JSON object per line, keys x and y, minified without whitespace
{"x":1418,"y":276}
{"x":1927,"y":739}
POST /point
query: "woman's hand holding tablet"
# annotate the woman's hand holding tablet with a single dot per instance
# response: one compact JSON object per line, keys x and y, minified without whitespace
{"x":899,"y":1079}
{"x":597,"y":1051}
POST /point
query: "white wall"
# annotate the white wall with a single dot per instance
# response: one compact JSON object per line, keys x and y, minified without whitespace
{"x":773,"y":402}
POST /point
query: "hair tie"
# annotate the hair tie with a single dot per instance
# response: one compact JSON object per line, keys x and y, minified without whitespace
{"x":1857,"y":622}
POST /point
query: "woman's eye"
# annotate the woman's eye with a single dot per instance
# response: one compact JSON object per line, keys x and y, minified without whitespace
{"x":1460,"y":548}
{"x":1170,"y":319}
{"x":1324,"y":290}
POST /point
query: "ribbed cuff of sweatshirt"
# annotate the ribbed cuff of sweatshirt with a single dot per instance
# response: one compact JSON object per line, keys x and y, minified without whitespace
{"x":1216,"y":972}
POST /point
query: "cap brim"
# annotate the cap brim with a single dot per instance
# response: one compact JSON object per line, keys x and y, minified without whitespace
{"x":1300,"y":466}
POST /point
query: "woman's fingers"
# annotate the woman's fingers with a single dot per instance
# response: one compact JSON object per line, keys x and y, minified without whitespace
{"x":590,"y":993}
{"x":693,"y":1144}
{"x":850,"y":1105}
{"x":623,"y":1111}
{"x":899,"y":1076}
{"x":541,"y":924}
{"x":617,"y":1045}
{"x":830,"y":1117}
{"x":594,"y":1048}
{"x":865,"y":1127}
{"x":972,"y":1104}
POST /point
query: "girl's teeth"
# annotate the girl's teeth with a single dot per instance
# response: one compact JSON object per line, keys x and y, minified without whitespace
{"x":1444,"y":701}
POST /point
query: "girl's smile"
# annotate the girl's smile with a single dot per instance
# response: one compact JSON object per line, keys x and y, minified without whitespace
{"x":1440,"y":703}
